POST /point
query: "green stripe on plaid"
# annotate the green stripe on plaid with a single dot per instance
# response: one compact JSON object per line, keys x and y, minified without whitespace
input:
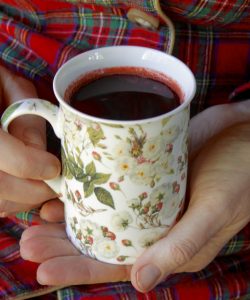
{"x":29,"y":217}
{"x":81,"y":29}
{"x":210,"y":12}
{"x":146,"y":5}
{"x":225,"y":12}
{"x":11,"y":55}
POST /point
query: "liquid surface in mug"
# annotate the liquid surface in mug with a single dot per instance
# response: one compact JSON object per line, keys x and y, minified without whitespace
{"x":123,"y":96}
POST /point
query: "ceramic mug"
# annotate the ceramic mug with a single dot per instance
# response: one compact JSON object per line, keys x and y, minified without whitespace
{"x":116,"y":203}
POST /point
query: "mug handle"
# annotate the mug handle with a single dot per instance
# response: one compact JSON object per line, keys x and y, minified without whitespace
{"x":38,"y":107}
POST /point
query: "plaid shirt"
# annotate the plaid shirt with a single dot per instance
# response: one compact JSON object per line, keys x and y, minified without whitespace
{"x":211,"y":37}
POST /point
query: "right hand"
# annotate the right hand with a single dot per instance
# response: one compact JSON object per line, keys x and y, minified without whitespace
{"x":24,"y":162}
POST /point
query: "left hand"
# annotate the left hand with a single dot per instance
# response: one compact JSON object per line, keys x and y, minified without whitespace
{"x":219,"y":208}
{"x":24,"y":161}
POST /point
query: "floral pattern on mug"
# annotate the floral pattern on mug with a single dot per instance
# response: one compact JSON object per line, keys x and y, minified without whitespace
{"x":94,"y":240}
{"x":101,"y":170}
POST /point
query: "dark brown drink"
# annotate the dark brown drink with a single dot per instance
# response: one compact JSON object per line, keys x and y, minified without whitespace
{"x":124,"y":93}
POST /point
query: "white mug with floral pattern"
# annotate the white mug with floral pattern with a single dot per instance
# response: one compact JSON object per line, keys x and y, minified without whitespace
{"x":118,"y":201}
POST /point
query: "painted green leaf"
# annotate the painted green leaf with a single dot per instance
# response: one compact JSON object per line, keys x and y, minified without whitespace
{"x":95,"y":135}
{"x":72,"y":165}
{"x":88,"y":188}
{"x":80,"y":162}
{"x":79,"y":174}
{"x":90,"y":169}
{"x":9,"y":111}
{"x":165,"y":121}
{"x":84,"y":178}
{"x":104,"y":197}
{"x":117,"y":137}
{"x":100,"y":178}
{"x":66,"y":147}
{"x":65,"y":168}
{"x":102,"y":146}
{"x":64,"y":162}
{"x":78,"y":150}
{"x":113,"y":125}
{"x":66,"y":172}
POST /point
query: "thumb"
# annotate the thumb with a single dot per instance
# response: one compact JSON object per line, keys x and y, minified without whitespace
{"x":182,"y":242}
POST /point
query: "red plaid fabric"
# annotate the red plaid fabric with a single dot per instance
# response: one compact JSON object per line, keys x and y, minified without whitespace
{"x":212,"y":37}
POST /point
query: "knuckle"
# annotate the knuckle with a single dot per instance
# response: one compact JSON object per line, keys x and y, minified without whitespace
{"x":195,"y":268}
{"x":183,"y":251}
{"x":4,"y":208}
{"x":24,"y":166}
{"x":126,"y":274}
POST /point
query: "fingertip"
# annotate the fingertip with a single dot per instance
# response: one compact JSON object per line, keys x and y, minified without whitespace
{"x":146,"y":277}
{"x":27,"y":250}
{"x":52,"y":211}
{"x":52,"y":169}
{"x":28,"y":233}
{"x":42,"y":276}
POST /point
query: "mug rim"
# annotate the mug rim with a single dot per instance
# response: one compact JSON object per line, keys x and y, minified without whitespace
{"x":92,"y":118}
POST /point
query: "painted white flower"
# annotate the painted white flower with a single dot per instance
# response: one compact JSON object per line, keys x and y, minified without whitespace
{"x":153,"y":148}
{"x":133,"y":202}
{"x":89,"y":228}
{"x":170,"y":207}
{"x":125,"y":165}
{"x":106,"y":248}
{"x":75,"y":132}
{"x":143,"y":173}
{"x":184,"y":146}
{"x":171,"y":133}
{"x":149,"y":238}
{"x":160,"y":194}
{"x":121,"y":149}
{"x":120,"y":221}
{"x":166,"y":164}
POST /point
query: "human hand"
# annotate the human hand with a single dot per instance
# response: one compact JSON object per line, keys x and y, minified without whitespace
{"x":218,"y":209}
{"x":24,"y":163}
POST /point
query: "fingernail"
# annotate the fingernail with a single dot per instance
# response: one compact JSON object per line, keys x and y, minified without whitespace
{"x":147,"y":277}
{"x":50,"y":171}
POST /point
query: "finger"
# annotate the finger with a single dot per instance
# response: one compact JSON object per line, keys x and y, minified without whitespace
{"x":46,"y":230}
{"x":181,"y":244}
{"x":52,"y":211}
{"x":24,"y":161}
{"x":31,"y":130}
{"x":42,"y":242}
{"x":42,"y":248}
{"x":74,"y":270}
{"x":9,"y":208}
{"x":18,"y":190}
{"x":211,"y":249}
{"x":15,"y":87}
{"x":213,"y":120}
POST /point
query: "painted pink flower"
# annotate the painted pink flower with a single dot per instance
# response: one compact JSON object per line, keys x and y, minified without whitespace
{"x":121,"y":258}
{"x":89,"y":240}
{"x":159,"y":206}
{"x":96,"y":156}
{"x":114,"y":186}
{"x":127,"y":243}
{"x":169,"y":148}
{"x":176,"y":187}
{"x":143,"y":196}
{"x":78,"y":195}
{"x":110,"y":235}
